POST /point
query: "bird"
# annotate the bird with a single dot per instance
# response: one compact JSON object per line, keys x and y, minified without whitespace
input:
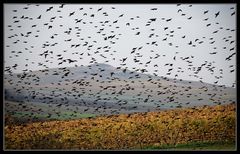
{"x":39,"y":17}
{"x":232,"y":13}
{"x":217,"y":14}
{"x":232,"y":49}
{"x":124,"y":59}
{"x":61,"y":6}
{"x":212,"y":53}
{"x":49,"y":9}
{"x":229,"y":57}
{"x":112,"y":73}
{"x":121,"y":15}
{"x":153,"y":19}
{"x":137,"y":33}
{"x":99,"y":9}
{"x":153,"y":8}
{"x":168,"y":19}
{"x":205,"y":12}
{"x":72,"y":13}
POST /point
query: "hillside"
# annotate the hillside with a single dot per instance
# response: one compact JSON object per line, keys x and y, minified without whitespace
{"x":170,"y":128}
{"x":70,"y":93}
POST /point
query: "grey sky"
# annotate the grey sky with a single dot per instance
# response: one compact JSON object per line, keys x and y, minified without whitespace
{"x":192,"y":29}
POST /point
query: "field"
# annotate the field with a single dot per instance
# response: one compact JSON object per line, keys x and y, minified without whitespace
{"x":226,"y":145}
{"x":150,"y":130}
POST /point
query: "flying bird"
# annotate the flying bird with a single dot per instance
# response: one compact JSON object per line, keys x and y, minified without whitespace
{"x":217,"y":14}
{"x":168,"y":19}
{"x":49,"y":9}
{"x":205,"y":12}
{"x":232,"y":13}
{"x":39,"y":17}
{"x":72,"y":13}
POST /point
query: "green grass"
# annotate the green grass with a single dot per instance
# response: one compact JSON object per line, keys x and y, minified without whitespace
{"x":217,"y":145}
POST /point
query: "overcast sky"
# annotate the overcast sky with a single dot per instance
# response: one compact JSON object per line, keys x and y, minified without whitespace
{"x":81,"y":36}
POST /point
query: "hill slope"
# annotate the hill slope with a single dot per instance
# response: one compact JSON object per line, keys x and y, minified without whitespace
{"x":128,"y":131}
{"x":102,"y":89}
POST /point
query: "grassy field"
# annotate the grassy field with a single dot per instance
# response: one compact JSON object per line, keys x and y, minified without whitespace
{"x":196,"y":146}
{"x":186,"y":128}
{"x":32,"y":112}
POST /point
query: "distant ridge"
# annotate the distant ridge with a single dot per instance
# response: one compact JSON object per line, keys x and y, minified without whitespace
{"x":88,"y":71}
{"x":103,"y":89}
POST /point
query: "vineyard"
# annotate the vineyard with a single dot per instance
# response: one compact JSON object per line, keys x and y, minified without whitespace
{"x":128,"y":131}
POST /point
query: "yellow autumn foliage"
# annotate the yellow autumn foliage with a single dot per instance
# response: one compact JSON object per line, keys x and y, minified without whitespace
{"x":215,"y":123}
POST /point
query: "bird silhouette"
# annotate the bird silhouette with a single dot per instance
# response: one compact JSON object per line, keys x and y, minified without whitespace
{"x":49,"y":9}
{"x":217,"y":14}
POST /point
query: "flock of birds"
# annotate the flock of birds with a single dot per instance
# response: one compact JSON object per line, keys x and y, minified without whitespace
{"x":100,"y":87}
